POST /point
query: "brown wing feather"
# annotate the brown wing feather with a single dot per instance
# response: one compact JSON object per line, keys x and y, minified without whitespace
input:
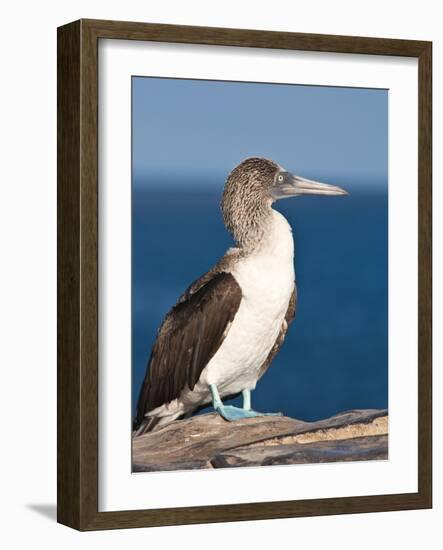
{"x":289,"y":317}
{"x":189,"y":337}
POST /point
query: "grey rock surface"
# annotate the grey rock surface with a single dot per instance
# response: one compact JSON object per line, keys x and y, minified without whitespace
{"x":358,"y":448}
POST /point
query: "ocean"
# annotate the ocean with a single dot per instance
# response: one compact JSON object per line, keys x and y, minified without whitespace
{"x":335,"y":356}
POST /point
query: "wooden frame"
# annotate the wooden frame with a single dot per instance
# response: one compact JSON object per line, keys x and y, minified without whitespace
{"x":77,"y":274}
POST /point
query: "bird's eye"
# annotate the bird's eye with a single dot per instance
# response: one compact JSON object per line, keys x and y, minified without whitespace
{"x":280,"y":178}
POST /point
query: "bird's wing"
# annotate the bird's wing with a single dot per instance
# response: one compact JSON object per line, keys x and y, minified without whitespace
{"x":289,"y":317}
{"x":189,"y":337}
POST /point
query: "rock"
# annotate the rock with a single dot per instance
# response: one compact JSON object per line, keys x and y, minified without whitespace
{"x":180,"y":465}
{"x":358,"y":448}
{"x":208,"y":441}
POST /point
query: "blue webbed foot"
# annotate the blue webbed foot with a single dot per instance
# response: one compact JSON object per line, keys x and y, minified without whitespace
{"x":247,"y":405}
{"x":231,"y":413}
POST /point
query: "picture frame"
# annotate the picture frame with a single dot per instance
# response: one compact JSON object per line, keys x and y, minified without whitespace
{"x":78,"y":281}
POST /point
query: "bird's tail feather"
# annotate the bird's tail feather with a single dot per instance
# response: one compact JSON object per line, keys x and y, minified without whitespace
{"x":146,"y":425}
{"x":151,"y":423}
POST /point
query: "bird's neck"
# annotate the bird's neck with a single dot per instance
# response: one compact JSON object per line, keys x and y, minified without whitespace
{"x":247,"y":221}
{"x":261,"y":230}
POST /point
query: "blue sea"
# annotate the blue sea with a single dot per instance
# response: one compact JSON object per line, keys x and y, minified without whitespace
{"x":335,"y":356}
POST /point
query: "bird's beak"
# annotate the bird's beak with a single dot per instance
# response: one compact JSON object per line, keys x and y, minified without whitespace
{"x":292,"y":186}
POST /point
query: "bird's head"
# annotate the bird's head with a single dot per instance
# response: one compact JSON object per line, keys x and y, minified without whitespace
{"x":255,"y":184}
{"x":259,"y":178}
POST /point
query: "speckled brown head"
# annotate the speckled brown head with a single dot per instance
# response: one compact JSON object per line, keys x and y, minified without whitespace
{"x":250,"y":190}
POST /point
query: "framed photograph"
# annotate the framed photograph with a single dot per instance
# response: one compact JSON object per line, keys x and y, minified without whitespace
{"x":244,"y":274}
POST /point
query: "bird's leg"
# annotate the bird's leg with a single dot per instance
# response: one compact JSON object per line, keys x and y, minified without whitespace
{"x":216,"y":399}
{"x":246,"y":399}
{"x":247,"y":405}
{"x":229,"y":412}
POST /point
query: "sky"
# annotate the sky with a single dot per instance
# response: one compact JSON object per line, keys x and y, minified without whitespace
{"x":202,"y":129}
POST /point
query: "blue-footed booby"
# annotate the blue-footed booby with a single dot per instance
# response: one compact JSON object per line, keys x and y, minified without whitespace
{"x":225,"y":330}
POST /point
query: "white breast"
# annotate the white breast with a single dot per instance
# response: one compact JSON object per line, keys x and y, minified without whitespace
{"x":267,"y":281}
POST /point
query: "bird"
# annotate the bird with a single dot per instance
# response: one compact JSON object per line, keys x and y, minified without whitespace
{"x":223,"y":333}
